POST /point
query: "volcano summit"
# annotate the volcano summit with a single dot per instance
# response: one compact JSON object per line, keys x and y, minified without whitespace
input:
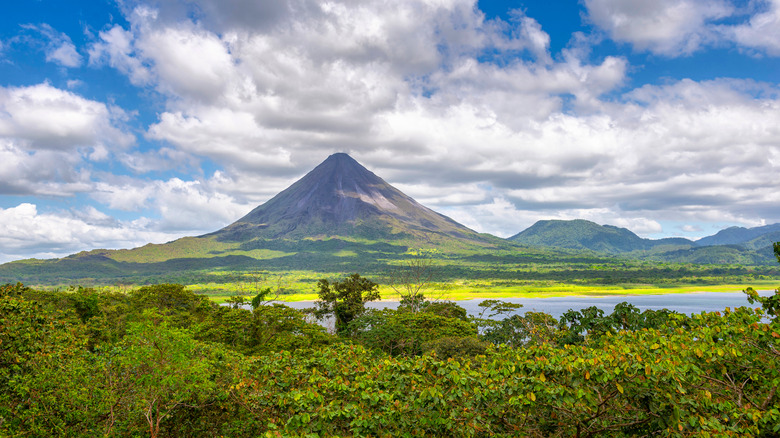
{"x":342,"y":198}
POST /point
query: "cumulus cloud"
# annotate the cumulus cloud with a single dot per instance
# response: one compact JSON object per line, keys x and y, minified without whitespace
{"x":681,"y":27}
{"x":335,"y":77}
{"x":44,"y":117}
{"x":46,"y":172}
{"x":761,"y":32}
{"x":689,"y":228}
{"x":50,"y":137}
{"x":57,"y":46}
{"x":667,"y":27}
{"x":181,"y":206}
{"x":116,"y":49}
{"x":26,"y":232}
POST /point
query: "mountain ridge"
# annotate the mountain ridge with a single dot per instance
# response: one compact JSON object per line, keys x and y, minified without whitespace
{"x":745,"y":245}
{"x":738,"y":235}
{"x":584,"y":234}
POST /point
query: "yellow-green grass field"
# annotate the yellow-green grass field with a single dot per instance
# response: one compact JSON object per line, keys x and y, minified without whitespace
{"x":464,"y":290}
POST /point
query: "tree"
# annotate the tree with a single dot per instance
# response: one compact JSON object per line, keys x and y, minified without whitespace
{"x":412,"y":276}
{"x":345,"y":300}
{"x":771,"y":304}
{"x":253,"y":288}
{"x":532,"y":328}
{"x":401,"y":333}
{"x":448,"y":309}
{"x":156,"y":370}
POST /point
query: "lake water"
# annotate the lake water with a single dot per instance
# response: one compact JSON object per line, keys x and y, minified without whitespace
{"x":556,"y":306}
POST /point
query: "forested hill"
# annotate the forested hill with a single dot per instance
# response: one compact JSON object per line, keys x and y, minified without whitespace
{"x":583,"y":234}
{"x":742,"y":236}
{"x":731,"y":246}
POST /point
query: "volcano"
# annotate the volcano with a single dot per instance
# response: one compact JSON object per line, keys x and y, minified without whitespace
{"x":342,"y":198}
{"x":339,"y":217}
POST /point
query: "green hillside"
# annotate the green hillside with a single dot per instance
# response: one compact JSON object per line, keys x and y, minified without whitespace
{"x":582,"y":234}
{"x":585,"y":235}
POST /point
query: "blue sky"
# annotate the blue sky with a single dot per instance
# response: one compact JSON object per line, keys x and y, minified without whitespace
{"x":132,"y":121}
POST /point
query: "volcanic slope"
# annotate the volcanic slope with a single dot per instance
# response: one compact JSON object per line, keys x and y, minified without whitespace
{"x":342,"y":198}
{"x":338,"y":214}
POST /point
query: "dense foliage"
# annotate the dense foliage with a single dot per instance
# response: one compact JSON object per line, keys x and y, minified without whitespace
{"x":345,"y":300}
{"x":162,"y":361}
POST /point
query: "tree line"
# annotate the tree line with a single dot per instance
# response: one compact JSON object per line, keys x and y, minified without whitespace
{"x":163,"y":361}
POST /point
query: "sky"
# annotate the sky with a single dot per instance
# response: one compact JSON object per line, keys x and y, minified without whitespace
{"x":124,"y":122}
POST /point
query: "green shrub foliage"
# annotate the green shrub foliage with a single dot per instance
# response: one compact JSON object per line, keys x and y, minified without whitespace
{"x":345,"y":300}
{"x":161,"y":361}
{"x":401,"y":333}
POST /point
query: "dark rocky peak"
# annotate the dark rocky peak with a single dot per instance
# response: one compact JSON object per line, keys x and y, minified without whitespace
{"x":341,"y":197}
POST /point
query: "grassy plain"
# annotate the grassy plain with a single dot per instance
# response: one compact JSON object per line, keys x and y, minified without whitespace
{"x":465,"y":290}
{"x":222,"y":270}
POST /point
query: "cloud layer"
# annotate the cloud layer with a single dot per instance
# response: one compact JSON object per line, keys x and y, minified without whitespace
{"x":475,"y":117}
{"x":681,"y":27}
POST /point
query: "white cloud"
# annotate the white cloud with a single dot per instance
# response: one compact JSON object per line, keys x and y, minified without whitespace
{"x":65,"y":54}
{"x":666,"y":27}
{"x":262,"y":98}
{"x":761,"y":32}
{"x":44,"y":117}
{"x":188,"y":61}
{"x":49,"y":137}
{"x":183,"y":206}
{"x":58,"y":46}
{"x":25,"y":232}
{"x":681,"y":27}
{"x":45,"y":172}
{"x":335,"y":79}
{"x":498,"y":217}
{"x":74,"y":83}
{"x":117,"y":50}
{"x":639,"y":225}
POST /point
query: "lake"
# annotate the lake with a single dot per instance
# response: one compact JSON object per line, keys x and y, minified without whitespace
{"x":687,"y":303}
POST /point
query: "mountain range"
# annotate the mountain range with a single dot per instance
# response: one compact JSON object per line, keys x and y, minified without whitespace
{"x":731,"y":245}
{"x":341,"y":217}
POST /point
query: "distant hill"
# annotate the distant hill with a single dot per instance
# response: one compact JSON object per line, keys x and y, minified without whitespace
{"x":740,"y":235}
{"x":583,"y":234}
{"x":717,"y":255}
{"x":735,"y":245}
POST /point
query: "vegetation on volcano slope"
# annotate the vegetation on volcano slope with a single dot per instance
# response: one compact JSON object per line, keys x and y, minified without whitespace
{"x":162,"y":361}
